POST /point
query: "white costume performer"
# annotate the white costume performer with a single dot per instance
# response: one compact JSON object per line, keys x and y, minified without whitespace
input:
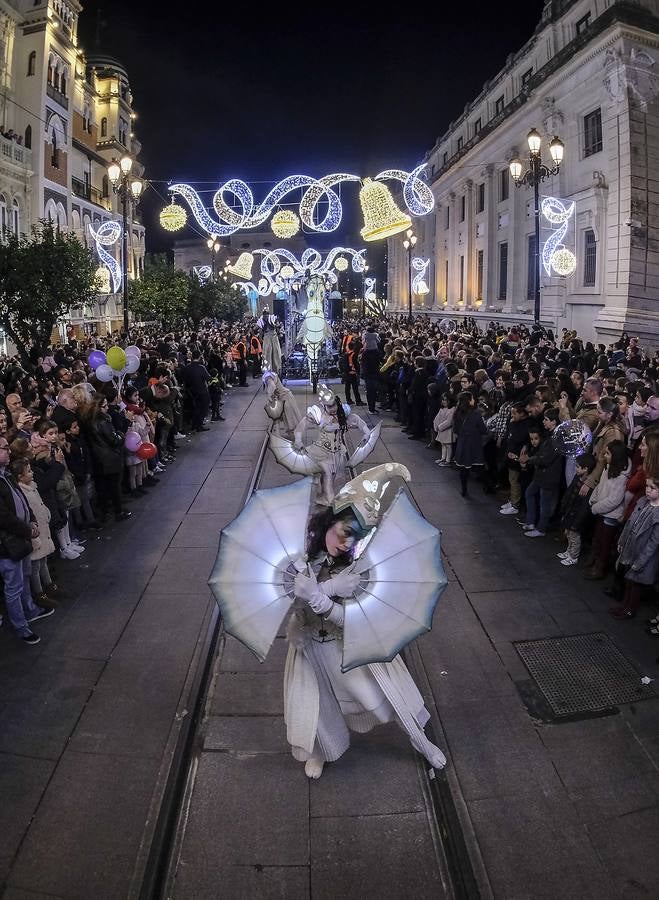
{"x":322,"y":702}
{"x":271,"y":346}
{"x":281,"y":406}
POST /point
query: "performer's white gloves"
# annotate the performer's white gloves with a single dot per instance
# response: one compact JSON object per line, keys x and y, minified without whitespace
{"x":343,"y":584}
{"x":306,"y":587}
{"x":297,"y":442}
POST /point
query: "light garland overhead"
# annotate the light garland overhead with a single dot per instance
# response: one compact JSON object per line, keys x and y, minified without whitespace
{"x":555,"y":254}
{"x":382,"y":217}
{"x":419,"y":284}
{"x":274,"y":274}
{"x":370,"y":289}
{"x":417,"y":195}
{"x":285,"y":224}
{"x":242,"y":268}
{"x":106,"y":235}
{"x":340,"y":264}
{"x":287,"y":272}
{"x":173,"y":217}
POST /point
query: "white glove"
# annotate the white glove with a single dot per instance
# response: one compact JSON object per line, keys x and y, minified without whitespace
{"x":297,"y":443}
{"x":306,"y":587}
{"x":343,"y":584}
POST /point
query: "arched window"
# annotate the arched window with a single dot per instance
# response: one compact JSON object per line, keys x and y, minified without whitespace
{"x":15,"y":217}
{"x":28,"y":137}
{"x":106,"y":186}
{"x":104,"y":127}
{"x":54,"y":160}
{"x":32,"y":63}
{"x":51,"y":72}
{"x":4,"y":223}
{"x":62,"y":84}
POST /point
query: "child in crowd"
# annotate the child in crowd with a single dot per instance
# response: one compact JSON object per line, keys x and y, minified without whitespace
{"x":607,"y":502}
{"x":42,"y":546}
{"x":546,"y":465}
{"x":432,"y":408}
{"x":575,"y":511}
{"x":215,"y":391}
{"x":77,"y":456}
{"x":639,"y":552}
{"x":516,"y":437}
{"x":443,"y":425}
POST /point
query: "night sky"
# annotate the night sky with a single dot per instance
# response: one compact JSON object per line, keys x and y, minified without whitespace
{"x":262,"y":100}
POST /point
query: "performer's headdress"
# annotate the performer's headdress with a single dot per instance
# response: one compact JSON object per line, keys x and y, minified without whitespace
{"x":326,"y":395}
{"x":371,"y":493}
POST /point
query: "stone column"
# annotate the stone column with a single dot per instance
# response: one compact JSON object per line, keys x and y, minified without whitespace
{"x":469,"y":243}
{"x":490,"y":256}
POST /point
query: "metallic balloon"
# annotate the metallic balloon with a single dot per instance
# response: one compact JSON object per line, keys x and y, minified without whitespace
{"x":572,"y":438}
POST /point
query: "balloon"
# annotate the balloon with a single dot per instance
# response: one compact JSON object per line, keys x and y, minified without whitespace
{"x":132,"y":364}
{"x":448,"y":326}
{"x":572,"y":438}
{"x":147,"y":450}
{"x":134,"y":351}
{"x":96,"y":358}
{"x":105,"y":373}
{"x":132,"y":441}
{"x":116,"y":358}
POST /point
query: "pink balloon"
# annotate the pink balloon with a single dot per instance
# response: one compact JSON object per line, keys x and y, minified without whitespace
{"x":132,"y":441}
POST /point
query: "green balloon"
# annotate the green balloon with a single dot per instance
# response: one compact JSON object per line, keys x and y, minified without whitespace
{"x":116,"y":358}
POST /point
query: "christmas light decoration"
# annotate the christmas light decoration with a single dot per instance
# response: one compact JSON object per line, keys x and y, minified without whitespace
{"x":369,"y":289}
{"x":340,"y":264}
{"x":419,"y":285}
{"x":106,"y":235}
{"x":173,"y":217}
{"x":244,"y":213}
{"x":203,"y":273}
{"x":382,"y":218}
{"x":242,"y":268}
{"x":557,"y":213}
{"x":287,"y":272}
{"x":563,"y":261}
{"x":102,"y":280}
{"x":285,"y":224}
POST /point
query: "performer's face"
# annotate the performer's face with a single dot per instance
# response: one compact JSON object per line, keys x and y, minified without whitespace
{"x":339,"y":538}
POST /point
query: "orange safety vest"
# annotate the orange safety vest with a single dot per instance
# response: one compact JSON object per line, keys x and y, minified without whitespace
{"x":256,"y":345}
{"x":236,"y":352}
{"x":345,"y":343}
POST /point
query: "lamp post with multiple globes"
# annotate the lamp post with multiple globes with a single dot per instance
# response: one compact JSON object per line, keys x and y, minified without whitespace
{"x":128,"y":190}
{"x":408,"y":243}
{"x":214,"y":248}
{"x":534,"y":175}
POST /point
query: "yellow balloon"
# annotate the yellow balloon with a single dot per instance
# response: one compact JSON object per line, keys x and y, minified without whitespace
{"x":116,"y":358}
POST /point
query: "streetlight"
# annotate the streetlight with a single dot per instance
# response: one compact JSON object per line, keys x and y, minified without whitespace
{"x":364,"y":271}
{"x":128,"y":190}
{"x":214,"y":247}
{"x":534,"y":175}
{"x":408,"y":243}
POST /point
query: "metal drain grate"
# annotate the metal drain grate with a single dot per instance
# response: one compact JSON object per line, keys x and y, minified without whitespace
{"x":582,"y":673}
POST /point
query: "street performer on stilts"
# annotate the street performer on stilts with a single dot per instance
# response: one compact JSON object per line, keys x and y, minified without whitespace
{"x":271,"y":346}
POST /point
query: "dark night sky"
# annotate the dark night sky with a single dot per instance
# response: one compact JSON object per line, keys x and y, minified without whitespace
{"x":262,"y":100}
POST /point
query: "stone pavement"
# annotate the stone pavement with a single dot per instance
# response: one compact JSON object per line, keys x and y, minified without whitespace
{"x":87,"y":717}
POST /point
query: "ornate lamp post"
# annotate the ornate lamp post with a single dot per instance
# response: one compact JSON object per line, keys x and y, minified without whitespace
{"x":408,"y":243}
{"x":214,"y":247}
{"x":128,"y":190}
{"x":534,"y":175}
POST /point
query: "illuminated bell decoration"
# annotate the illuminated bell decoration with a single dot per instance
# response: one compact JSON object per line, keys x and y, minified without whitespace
{"x":340,"y":263}
{"x":285,"y":224}
{"x":173,"y":217}
{"x":242,"y":268}
{"x":563,"y":261}
{"x":382,"y":218}
{"x":422,"y":288}
{"x":102,"y":280}
{"x":287,"y":272}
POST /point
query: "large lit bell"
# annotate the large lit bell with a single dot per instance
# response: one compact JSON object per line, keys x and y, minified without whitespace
{"x":382,"y":218}
{"x":242,"y":268}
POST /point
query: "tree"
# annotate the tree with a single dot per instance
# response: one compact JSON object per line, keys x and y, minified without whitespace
{"x":215,"y":300}
{"x":161,"y":294}
{"x":41,"y":278}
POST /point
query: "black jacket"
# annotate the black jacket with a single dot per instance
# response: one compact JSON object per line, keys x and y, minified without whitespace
{"x":196,"y":378}
{"x":575,"y":510}
{"x":547,"y":465}
{"x":15,"y":534}
{"x":106,"y":445}
{"x":47,"y":472}
{"x":516,"y":438}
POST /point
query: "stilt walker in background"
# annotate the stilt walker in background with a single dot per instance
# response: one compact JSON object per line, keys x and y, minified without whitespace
{"x":281,"y":407}
{"x":271,"y":346}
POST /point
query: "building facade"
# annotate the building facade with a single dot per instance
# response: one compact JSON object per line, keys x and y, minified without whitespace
{"x":65,"y":117}
{"x":589,"y":75}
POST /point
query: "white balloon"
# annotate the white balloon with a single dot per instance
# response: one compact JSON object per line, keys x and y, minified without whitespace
{"x":132,"y":364}
{"x":134,"y":351}
{"x":105,"y":373}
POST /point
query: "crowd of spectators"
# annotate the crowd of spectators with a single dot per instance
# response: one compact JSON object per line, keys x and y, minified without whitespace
{"x":71,"y":448}
{"x":492,"y":401}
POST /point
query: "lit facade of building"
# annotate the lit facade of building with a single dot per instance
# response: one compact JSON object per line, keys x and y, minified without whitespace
{"x":68,"y":116}
{"x":589,"y":75}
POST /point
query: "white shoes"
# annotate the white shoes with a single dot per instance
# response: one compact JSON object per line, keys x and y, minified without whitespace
{"x":526,"y":527}
{"x":77,"y":546}
{"x":569,"y":561}
{"x":508,"y":510}
{"x":179,"y":436}
{"x":69,"y":552}
{"x":534,"y":533}
{"x":313,"y":767}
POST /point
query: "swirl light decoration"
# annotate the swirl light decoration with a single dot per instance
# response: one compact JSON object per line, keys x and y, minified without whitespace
{"x":274,"y":274}
{"x":203,"y":273}
{"x":173,"y":217}
{"x":285,"y":224}
{"x":227,"y":219}
{"x":555,"y":254}
{"x":106,"y":235}
{"x":370,"y":292}
{"x":419,"y":284}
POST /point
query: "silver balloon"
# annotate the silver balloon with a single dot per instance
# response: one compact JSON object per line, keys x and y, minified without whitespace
{"x":448,"y":326}
{"x":572,"y":438}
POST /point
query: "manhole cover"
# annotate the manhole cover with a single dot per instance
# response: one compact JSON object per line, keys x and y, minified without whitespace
{"x":582,"y":673}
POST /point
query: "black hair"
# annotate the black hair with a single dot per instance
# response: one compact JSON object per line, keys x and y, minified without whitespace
{"x":618,"y":462}
{"x":587,"y":462}
{"x":320,"y":524}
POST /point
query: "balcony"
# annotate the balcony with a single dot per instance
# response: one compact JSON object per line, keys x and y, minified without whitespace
{"x":89,"y":193}
{"x":15,"y":153}
{"x":57,"y":96}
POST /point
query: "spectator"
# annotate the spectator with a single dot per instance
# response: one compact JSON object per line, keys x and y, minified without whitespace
{"x":575,"y":511}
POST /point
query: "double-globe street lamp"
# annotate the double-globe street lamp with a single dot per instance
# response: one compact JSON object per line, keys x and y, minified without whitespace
{"x":128,"y":190}
{"x":214,"y":248}
{"x":408,"y":243}
{"x":534,"y":175}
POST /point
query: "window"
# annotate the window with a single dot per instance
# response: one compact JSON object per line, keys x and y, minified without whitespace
{"x":477,"y":126}
{"x":503,"y":271}
{"x":50,"y":73}
{"x":32,"y":63}
{"x":582,"y":24}
{"x":460,"y":143}
{"x":462,"y":278}
{"x":479,"y":273}
{"x":481,"y":196}
{"x":4,"y":223}
{"x":526,"y":77}
{"x":105,"y":189}
{"x":104,"y":127}
{"x":504,"y":184}
{"x":590,"y":258}
{"x":62,"y":85}
{"x":531,"y":268}
{"x":463,"y":204}
{"x":448,"y":217}
{"x":445,"y":158}
{"x":54,"y":159}
{"x":592,"y":133}
{"x":498,"y":106}
{"x":15,"y":217}
{"x":28,"y":137}
{"x":446,"y":279}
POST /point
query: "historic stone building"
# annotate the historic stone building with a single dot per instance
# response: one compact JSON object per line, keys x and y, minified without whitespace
{"x":65,"y":116}
{"x":589,"y":75}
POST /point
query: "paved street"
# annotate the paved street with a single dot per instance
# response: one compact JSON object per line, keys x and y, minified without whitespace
{"x":90,"y":717}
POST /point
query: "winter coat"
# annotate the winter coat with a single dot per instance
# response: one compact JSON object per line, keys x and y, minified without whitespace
{"x":516,"y":437}
{"x":43,"y":545}
{"x":47,"y":473}
{"x":547,"y":465}
{"x":106,"y":445}
{"x":608,"y":497}
{"x":78,"y":458}
{"x":575,"y":509}
{"x":443,"y":425}
{"x":602,"y":437}
{"x":639,"y":543}
{"x":370,"y":363}
{"x":15,"y":532}
{"x":470,"y":430}
{"x":141,"y":426}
